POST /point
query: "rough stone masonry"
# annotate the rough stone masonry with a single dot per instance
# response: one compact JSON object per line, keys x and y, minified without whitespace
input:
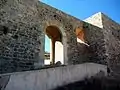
{"x":23,"y":26}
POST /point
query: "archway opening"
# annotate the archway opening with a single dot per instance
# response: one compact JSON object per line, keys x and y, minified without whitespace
{"x":80,"y":36}
{"x":47,"y":50}
{"x":54,"y":35}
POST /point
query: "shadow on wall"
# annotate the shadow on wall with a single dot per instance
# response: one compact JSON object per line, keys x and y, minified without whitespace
{"x":93,"y":83}
{"x":83,"y":48}
{"x":4,"y":81}
{"x":84,"y":52}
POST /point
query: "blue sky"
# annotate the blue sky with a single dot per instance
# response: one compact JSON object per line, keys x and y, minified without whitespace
{"x":85,"y":8}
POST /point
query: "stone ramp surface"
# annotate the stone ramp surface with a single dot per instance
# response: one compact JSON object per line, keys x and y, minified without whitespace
{"x":51,"y":78}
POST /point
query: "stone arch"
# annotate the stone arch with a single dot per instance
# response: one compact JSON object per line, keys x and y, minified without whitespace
{"x":58,"y":26}
{"x":53,"y":32}
{"x":54,"y":23}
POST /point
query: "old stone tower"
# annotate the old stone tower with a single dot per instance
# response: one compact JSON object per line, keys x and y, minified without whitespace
{"x":24,"y":23}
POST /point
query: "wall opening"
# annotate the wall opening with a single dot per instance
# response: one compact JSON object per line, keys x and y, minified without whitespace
{"x":80,"y":36}
{"x":47,"y":50}
{"x":55,"y":36}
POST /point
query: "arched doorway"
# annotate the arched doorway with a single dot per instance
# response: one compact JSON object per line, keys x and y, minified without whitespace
{"x":55,"y":35}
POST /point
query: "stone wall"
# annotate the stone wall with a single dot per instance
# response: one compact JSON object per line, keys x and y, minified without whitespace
{"x":21,"y":36}
{"x":50,"y":16}
{"x":23,"y":26}
{"x":111,"y":32}
{"x":95,"y":39}
{"x":68,"y":25}
{"x":112,"y":37}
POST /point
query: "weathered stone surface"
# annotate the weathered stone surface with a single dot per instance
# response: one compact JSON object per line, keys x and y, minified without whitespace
{"x":23,"y":26}
{"x":20,"y":36}
{"x":112,"y":39}
{"x":48,"y":79}
{"x":111,"y":34}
